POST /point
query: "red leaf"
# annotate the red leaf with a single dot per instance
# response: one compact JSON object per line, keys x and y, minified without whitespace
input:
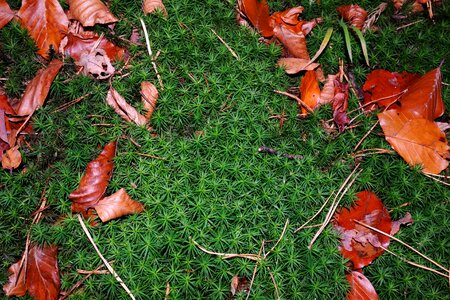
{"x":353,"y":14}
{"x":257,"y":12}
{"x":46,"y":22}
{"x":123,"y":109}
{"x":37,"y":90}
{"x":360,"y":287}
{"x":117,"y":205}
{"x":309,"y":90}
{"x":42,"y":280}
{"x":359,"y":244}
{"x":16,"y":285}
{"x":91,"y":12}
{"x":340,"y":104}
{"x":95,"y":181}
{"x":6,"y":14}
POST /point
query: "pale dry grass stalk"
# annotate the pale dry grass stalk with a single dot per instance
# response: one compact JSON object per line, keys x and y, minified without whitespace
{"x":226,"y":45}
{"x":315,"y":215}
{"x":150,"y":53}
{"x":299,"y":101}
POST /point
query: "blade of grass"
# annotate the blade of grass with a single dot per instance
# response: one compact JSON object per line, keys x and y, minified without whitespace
{"x":347,"y":39}
{"x":322,"y":47}
{"x":363,"y":44}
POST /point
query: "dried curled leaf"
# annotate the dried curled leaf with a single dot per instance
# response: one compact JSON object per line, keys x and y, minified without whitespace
{"x":257,"y":12}
{"x":16,"y":285}
{"x":96,"y":64}
{"x":94,"y":182}
{"x":239,"y":284}
{"x":12,"y":158}
{"x":309,"y":91}
{"x":327,"y":93}
{"x":123,"y":109}
{"x":406,"y":220}
{"x":150,"y":6}
{"x":117,"y":205}
{"x":6,"y":14}
{"x":37,"y":90}
{"x":294,"y":65}
{"x":354,"y":14}
{"x":149,"y":97}
{"x":46,"y":22}
{"x":91,"y":12}
{"x":360,"y":287}
{"x":340,"y":104}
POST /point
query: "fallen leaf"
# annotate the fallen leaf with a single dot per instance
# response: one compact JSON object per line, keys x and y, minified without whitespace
{"x":149,"y":6}
{"x":418,"y":141}
{"x":12,"y":158}
{"x":46,"y":22}
{"x":3,"y":131}
{"x":96,"y":64}
{"x":340,"y":104}
{"x":257,"y":12}
{"x":294,"y":65}
{"x":327,"y":93}
{"x":16,"y":285}
{"x":309,"y":91}
{"x":359,"y":244}
{"x":149,"y":97}
{"x":360,"y":287}
{"x":6,"y":14}
{"x":123,"y":109}
{"x":117,"y":205}
{"x":354,"y":14}
{"x":406,"y":220}
{"x":42,"y":277}
{"x":91,"y":12}
{"x":37,"y":90}
{"x":239,"y":284}
{"x":94,"y":182}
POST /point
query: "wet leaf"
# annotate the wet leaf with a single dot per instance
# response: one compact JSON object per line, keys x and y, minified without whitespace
{"x":123,"y":109}
{"x":257,"y":12}
{"x":359,"y":244}
{"x":149,"y":6}
{"x":354,"y":14}
{"x":117,"y":205}
{"x":340,"y":104}
{"x":42,"y":277}
{"x":37,"y":90}
{"x":294,"y":65}
{"x":94,"y":182}
{"x":309,"y":91}
{"x":46,"y":22}
{"x":149,"y":97}
{"x":360,"y":287}
{"x":239,"y":284}
{"x":16,"y":285}
{"x":406,"y":220}
{"x":96,"y":64}
{"x":418,"y":141}
{"x":12,"y":158}
{"x":91,"y":12}
{"x":327,"y":93}
{"x":6,"y":14}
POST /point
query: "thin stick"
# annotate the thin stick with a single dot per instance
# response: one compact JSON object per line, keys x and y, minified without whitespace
{"x":414,"y":264}
{"x":150,"y":53}
{"x":435,"y":179}
{"x":299,"y":101}
{"x":166,"y":297}
{"x":108,"y":266}
{"x":68,"y":104}
{"x":254,"y":270}
{"x":226,"y":45}
{"x":274,"y":283}
{"x":315,"y":215}
{"x":77,"y":285}
{"x":96,"y":272}
{"x":227,"y":255}
{"x":149,"y":155}
{"x":401,"y":242}
{"x":24,"y":123}
{"x":407,"y":25}
{"x":279,"y":239}
{"x":366,"y":135}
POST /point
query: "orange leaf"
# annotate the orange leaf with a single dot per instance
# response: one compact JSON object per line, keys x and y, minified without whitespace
{"x":123,"y":109}
{"x":16,"y":285}
{"x":6,"y":14}
{"x":294,"y":65}
{"x":12,"y":158}
{"x":360,"y":287}
{"x":91,"y":12}
{"x":354,"y":14}
{"x":149,"y":97}
{"x":46,"y":22}
{"x":257,"y":12}
{"x":42,"y":280}
{"x":359,"y":244}
{"x":117,"y":205}
{"x":149,"y":6}
{"x":37,"y":90}
{"x":309,"y":91}
{"x":95,"y":180}
{"x":418,"y":141}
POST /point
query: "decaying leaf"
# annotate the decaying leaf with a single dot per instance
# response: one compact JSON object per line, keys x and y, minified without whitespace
{"x":46,"y":22}
{"x":37,"y":90}
{"x":12,"y":158}
{"x":117,"y":205}
{"x":354,"y":14}
{"x":257,"y":12}
{"x":149,"y":6}
{"x":123,"y":109}
{"x":42,"y":277}
{"x":418,"y":141}
{"x":360,"y":287}
{"x":16,"y":285}
{"x":309,"y":91}
{"x":239,"y":284}
{"x":327,"y":93}
{"x":294,"y":65}
{"x":94,"y":182}
{"x":340,"y":104}
{"x":149,"y":97}
{"x":91,"y":12}
{"x":6,"y":14}
{"x":406,"y":220}
{"x":96,"y":64}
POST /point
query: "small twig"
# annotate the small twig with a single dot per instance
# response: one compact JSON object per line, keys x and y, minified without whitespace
{"x":93,"y":272}
{"x":274,"y":283}
{"x":407,"y":25}
{"x":166,"y":297}
{"x":315,"y":215}
{"x":435,"y":179}
{"x":24,"y":124}
{"x":103,"y":124}
{"x":312,"y":226}
{"x":401,"y":242}
{"x":226,"y":45}
{"x":366,"y":135}
{"x":264,"y":149}
{"x":254,"y":270}
{"x":279,"y":239}
{"x":149,"y":155}
{"x":68,"y":104}
{"x":299,"y":101}
{"x":108,"y":266}
{"x":150,"y":53}
{"x":227,"y":255}
{"x":372,"y":151}
{"x":400,"y":206}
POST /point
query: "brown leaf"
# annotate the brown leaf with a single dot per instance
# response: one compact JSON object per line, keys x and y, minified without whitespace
{"x":12,"y":158}
{"x":96,"y":64}
{"x":149,"y":6}
{"x":418,"y":141}
{"x":309,"y":91}
{"x":42,"y":277}
{"x":117,"y":205}
{"x":354,"y":14}
{"x":149,"y":97}
{"x":257,"y":12}
{"x":239,"y":284}
{"x":95,"y":180}
{"x":406,"y":220}
{"x":123,"y":109}
{"x":340,"y":104}
{"x":46,"y":22}
{"x":16,"y":285}
{"x":327,"y":93}
{"x":37,"y":90}
{"x":6,"y":14}
{"x":294,"y":65}
{"x":360,"y":287}
{"x":91,"y":12}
